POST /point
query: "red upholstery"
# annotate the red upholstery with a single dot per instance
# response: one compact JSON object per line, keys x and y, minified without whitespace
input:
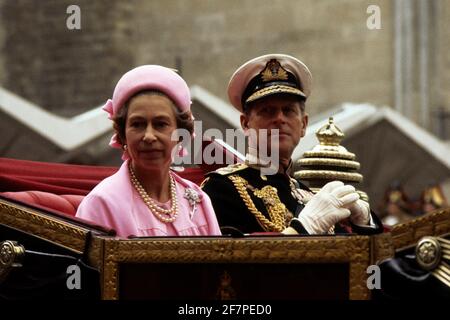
{"x":57,"y":178}
{"x":61,"y":187}
{"x":56,"y":186}
{"x":67,"y":203}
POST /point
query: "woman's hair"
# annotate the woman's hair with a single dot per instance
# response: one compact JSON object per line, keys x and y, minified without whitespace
{"x":184,"y":120}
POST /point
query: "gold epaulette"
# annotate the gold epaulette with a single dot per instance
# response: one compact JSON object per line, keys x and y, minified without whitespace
{"x":232,"y":168}
{"x":278,"y":213}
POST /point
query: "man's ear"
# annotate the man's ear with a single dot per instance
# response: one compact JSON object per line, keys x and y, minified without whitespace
{"x":305,"y":120}
{"x":244,"y":121}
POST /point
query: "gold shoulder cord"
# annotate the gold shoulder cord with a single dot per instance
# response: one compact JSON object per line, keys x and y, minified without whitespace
{"x":279,"y":215}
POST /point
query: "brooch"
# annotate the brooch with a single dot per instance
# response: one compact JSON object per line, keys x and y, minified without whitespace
{"x":193,"y":197}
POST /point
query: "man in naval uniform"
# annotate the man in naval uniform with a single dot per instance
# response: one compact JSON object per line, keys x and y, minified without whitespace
{"x":270,"y":92}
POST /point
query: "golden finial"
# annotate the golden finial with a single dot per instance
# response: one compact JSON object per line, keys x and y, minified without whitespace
{"x":330,"y":134}
{"x":328,"y":160}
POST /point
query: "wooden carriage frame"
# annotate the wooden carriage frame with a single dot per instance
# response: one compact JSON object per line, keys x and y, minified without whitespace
{"x":107,"y":253}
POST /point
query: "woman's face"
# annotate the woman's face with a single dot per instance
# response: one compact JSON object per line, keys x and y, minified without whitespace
{"x":148,"y":129}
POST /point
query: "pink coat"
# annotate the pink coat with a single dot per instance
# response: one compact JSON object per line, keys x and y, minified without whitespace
{"x":115,"y":203}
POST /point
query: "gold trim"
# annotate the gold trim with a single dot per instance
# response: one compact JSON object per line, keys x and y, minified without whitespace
{"x":43,"y":226}
{"x":277,"y":210}
{"x":406,"y":235}
{"x":363,"y":196}
{"x":382,"y":247}
{"x":328,"y":175}
{"x":442,"y":273}
{"x":110,"y":274}
{"x":431,"y":253}
{"x":428,"y":253}
{"x":95,"y":252}
{"x":273,"y":71}
{"x":11,"y":256}
{"x":329,"y":154}
{"x":329,"y":162}
{"x":272,"y":90}
{"x":353,"y":249}
{"x":95,"y":257}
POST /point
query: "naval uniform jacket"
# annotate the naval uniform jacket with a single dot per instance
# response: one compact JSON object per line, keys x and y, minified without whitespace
{"x":233,"y":211}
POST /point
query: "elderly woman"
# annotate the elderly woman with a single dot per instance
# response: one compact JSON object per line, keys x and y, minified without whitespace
{"x":145,"y":197}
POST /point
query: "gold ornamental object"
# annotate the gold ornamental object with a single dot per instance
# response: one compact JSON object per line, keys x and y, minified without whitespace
{"x":433,"y":254}
{"x":11,"y":256}
{"x":329,"y":161}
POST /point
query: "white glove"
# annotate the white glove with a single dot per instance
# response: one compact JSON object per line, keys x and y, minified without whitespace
{"x":328,"y":207}
{"x":360,"y":213}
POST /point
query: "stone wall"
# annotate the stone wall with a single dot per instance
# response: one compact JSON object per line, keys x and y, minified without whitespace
{"x":67,"y":71}
{"x":349,"y":62}
{"x":70,"y":71}
{"x":442,"y":71}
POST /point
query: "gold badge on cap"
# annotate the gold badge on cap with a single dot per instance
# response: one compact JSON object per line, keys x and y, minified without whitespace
{"x":273,"y":71}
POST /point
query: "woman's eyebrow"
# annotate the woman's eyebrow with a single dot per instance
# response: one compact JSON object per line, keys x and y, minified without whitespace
{"x":135,"y":117}
{"x":161,"y":117}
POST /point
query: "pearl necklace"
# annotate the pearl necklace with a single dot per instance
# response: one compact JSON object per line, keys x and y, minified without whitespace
{"x":164,"y":215}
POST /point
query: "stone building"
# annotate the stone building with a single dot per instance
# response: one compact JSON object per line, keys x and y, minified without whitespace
{"x":383,"y":52}
{"x":404,"y":64}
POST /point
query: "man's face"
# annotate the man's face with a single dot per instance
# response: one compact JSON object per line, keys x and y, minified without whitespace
{"x":282,"y":112}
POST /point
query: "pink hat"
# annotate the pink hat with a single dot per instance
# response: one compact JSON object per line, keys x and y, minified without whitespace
{"x":145,"y":78}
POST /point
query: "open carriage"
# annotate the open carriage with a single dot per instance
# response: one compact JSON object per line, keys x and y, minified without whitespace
{"x":47,"y":252}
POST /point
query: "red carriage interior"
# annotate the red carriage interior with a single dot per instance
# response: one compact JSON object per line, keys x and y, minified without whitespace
{"x":59,"y":188}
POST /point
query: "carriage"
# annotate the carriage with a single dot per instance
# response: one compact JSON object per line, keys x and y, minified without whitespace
{"x":47,"y":252}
